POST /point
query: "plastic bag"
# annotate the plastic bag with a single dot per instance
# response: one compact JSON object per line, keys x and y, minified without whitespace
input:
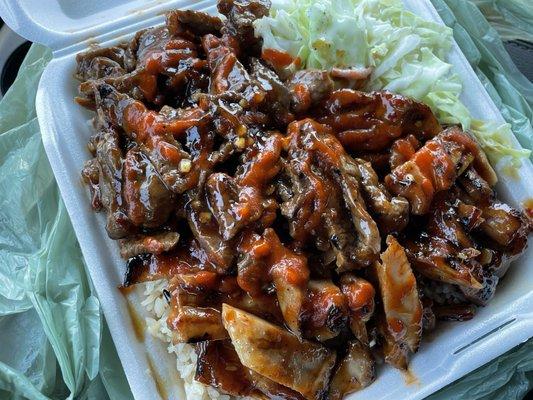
{"x":509,"y":88}
{"x":511,"y":18}
{"x":51,"y":322}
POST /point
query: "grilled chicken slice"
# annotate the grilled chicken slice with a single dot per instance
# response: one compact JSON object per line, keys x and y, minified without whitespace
{"x":266,"y":260}
{"x":271,"y":390}
{"x":432,"y":169}
{"x":360,"y":296}
{"x":446,"y":252}
{"x":191,"y":318}
{"x":368,"y":245}
{"x":481,"y":164}
{"x":194,"y":324}
{"x":218,"y":365}
{"x":450,"y":225}
{"x":154,"y":244}
{"x":430,"y":256}
{"x":401,"y":304}
{"x":325,"y":312}
{"x":187,"y":259}
{"x":354,"y":372}
{"x":506,"y":227}
{"x":402,"y":150}
{"x":475,"y":187}
{"x":394,"y":352}
{"x":278,"y":355}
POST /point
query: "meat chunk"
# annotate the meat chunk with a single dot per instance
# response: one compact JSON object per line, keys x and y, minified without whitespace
{"x":432,"y":169}
{"x":401,"y":304}
{"x":392,"y":213}
{"x":218,"y":365}
{"x":205,"y":230}
{"x":402,"y":150}
{"x":325,"y":312}
{"x":277,"y":95}
{"x":149,"y":202}
{"x":104,"y":62}
{"x":318,"y":174}
{"x":307,"y":88}
{"x":240,"y":16}
{"x":91,"y":177}
{"x":481,"y":163}
{"x":187,"y":259}
{"x":198,"y":22}
{"x":445,"y":253}
{"x":267,"y":261}
{"x":431,"y":257}
{"x":506,"y":227}
{"x":156,"y":134}
{"x":227,"y":72}
{"x":354,"y":372}
{"x":222,"y":194}
{"x":243,"y":201}
{"x":278,"y":355}
{"x":110,"y":181}
{"x":166,"y":67}
{"x":359,"y":295}
{"x":372,"y":121}
{"x":154,"y":244}
{"x":195,"y":324}
{"x":475,"y":187}
{"x":191,"y":318}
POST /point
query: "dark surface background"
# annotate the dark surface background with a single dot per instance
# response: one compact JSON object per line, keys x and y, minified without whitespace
{"x":522,"y":54}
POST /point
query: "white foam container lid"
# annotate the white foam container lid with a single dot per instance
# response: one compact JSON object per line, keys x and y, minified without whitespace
{"x":69,"y":26}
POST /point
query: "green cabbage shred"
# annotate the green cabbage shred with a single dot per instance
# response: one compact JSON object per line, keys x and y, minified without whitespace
{"x":406,"y":53}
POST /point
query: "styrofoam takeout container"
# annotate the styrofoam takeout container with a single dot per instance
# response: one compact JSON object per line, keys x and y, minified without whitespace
{"x":69,"y":26}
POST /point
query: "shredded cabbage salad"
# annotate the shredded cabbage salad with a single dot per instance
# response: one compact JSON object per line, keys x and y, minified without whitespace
{"x":406,"y":52}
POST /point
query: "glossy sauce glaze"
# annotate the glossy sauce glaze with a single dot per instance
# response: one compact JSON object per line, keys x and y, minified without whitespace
{"x":303,"y":228}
